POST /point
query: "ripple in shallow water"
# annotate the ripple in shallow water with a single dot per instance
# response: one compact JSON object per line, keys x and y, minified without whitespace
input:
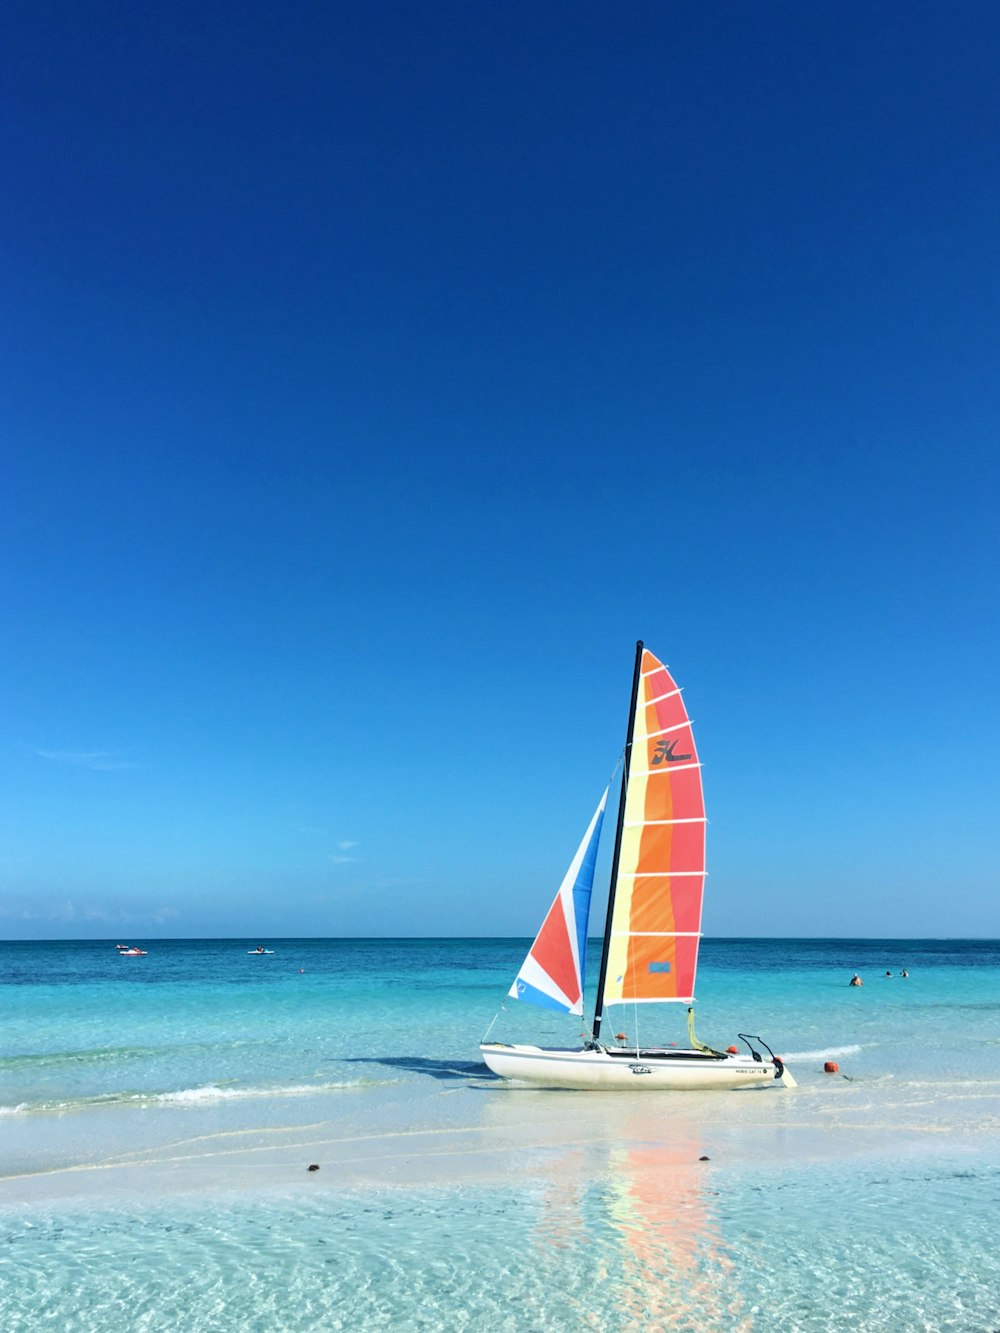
{"x":656,"y":1243}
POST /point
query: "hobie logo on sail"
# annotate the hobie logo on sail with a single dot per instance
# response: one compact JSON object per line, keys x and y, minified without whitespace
{"x":664,"y":753}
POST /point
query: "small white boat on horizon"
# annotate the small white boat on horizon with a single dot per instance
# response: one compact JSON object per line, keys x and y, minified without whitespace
{"x":649,"y":953}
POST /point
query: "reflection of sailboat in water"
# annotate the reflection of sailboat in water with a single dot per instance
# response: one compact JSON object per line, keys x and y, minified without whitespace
{"x":638,"y":1220}
{"x":650,"y":949}
{"x":673,"y":1266}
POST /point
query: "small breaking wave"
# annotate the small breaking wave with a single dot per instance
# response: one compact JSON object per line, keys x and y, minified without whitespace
{"x":213,"y":1093}
{"x":191,"y":1097}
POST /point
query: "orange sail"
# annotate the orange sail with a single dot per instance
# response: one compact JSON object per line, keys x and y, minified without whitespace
{"x":656,"y":920}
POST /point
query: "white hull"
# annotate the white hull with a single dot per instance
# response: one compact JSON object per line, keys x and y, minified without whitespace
{"x":663,"y":1070}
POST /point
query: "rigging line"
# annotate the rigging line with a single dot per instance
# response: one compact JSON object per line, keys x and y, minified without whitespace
{"x":501,"y":1010}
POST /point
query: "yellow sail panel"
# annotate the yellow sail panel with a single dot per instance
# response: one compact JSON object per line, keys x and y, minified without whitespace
{"x":661,"y":869}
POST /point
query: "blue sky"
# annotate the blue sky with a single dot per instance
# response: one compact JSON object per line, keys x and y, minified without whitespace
{"x":375,"y":375}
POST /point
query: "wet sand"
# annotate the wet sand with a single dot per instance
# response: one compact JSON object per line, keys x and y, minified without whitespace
{"x":472,"y":1131}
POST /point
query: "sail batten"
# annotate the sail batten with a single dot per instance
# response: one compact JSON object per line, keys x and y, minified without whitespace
{"x":658,"y":934}
{"x":663,"y":732}
{"x":662,"y":874}
{"x":652,"y":938}
{"x":662,"y":772}
{"x":643,"y":822}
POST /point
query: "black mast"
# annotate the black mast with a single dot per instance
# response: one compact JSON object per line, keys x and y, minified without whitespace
{"x":599,"y":1006}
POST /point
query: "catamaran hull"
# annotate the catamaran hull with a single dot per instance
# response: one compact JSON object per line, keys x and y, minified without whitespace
{"x":664,"y":1071}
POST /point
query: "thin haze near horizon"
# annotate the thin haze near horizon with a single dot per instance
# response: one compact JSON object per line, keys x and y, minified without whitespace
{"x":377,"y":375}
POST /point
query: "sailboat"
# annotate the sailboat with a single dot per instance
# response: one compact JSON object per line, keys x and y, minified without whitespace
{"x":650,"y":948}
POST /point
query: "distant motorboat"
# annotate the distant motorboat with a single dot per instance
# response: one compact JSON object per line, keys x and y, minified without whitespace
{"x":259,"y":951}
{"x":131,"y":953}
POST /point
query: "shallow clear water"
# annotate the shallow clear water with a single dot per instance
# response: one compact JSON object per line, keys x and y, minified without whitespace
{"x":655,"y":1245}
{"x":81,"y":1023}
{"x":157,"y":1115}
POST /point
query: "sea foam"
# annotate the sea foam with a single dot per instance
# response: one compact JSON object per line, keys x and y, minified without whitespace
{"x":823,"y":1054}
{"x":212,"y":1093}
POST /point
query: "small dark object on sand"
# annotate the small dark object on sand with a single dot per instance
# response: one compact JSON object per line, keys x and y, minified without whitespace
{"x":704,"y":1159}
{"x":313,"y":1167}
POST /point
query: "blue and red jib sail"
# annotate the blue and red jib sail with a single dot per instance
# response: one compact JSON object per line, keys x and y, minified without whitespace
{"x":552,"y":975}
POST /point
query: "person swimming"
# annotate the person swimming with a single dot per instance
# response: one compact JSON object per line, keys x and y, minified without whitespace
{"x":855,"y":981}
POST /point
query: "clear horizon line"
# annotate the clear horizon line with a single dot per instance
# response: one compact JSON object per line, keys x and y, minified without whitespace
{"x":191,"y":939}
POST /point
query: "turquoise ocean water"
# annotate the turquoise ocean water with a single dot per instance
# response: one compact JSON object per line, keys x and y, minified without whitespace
{"x":158,"y":1114}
